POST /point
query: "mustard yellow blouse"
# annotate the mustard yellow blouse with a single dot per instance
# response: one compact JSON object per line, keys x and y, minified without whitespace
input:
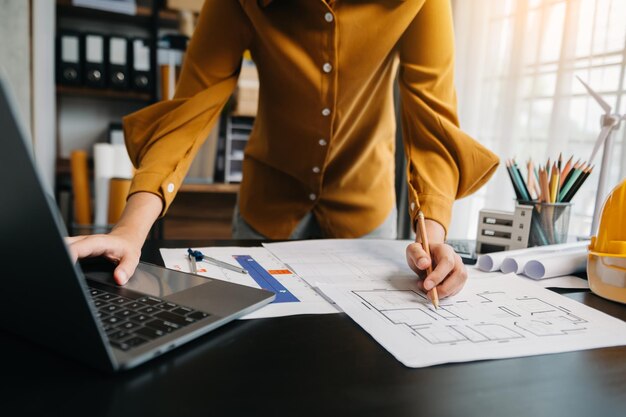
{"x":323,"y":140}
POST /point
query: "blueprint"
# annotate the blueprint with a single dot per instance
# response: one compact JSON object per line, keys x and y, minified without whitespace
{"x":335,"y":261}
{"x":293,"y":295}
{"x":497,"y":317}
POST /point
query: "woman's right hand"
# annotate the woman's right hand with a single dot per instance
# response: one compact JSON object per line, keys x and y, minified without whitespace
{"x":118,"y":247}
{"x":123,"y":245}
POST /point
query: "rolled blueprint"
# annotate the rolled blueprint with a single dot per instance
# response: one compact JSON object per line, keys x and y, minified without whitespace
{"x":557,"y":264}
{"x":493,"y":261}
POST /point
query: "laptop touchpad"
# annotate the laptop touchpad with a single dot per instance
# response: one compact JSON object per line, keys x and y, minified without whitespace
{"x":148,"y":279}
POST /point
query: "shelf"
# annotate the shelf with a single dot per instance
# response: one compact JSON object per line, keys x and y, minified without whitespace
{"x":218,"y":188}
{"x":63,"y":168}
{"x":166,"y":17}
{"x":69,"y":91}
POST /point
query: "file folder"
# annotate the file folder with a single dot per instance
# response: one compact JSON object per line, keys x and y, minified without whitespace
{"x":69,"y":59}
{"x":119,"y":74}
{"x":142,"y":79}
{"x":95,"y":59}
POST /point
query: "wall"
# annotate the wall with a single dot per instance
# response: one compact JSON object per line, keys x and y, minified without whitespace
{"x":26,"y":57}
{"x":43,"y":85}
{"x":15,"y":52}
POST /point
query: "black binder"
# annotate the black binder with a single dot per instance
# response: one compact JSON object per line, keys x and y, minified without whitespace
{"x":142,"y":78}
{"x":95,"y":60}
{"x":69,"y":58}
{"x":118,"y":62}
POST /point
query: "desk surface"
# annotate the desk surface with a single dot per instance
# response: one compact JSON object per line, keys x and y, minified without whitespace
{"x":312,"y":365}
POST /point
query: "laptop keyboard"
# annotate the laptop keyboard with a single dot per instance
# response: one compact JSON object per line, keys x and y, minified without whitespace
{"x":132,"y":319}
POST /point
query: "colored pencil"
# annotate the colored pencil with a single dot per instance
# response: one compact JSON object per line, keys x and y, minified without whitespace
{"x":554,"y":182}
{"x":570,"y":183}
{"x":518,"y":176}
{"x":566,"y":169}
{"x":581,"y":179}
{"x":518,"y":196}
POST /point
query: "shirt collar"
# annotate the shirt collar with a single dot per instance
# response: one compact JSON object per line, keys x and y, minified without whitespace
{"x":265,"y":3}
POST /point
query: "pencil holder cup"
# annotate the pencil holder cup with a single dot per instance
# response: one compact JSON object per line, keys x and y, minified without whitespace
{"x":549,"y":224}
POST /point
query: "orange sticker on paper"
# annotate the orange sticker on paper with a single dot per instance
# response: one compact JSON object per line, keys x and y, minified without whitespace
{"x":279,"y":271}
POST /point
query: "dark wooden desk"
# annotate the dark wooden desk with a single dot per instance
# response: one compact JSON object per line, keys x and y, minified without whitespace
{"x":312,"y":366}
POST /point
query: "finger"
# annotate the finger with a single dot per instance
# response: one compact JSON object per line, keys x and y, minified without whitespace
{"x":444,"y":260}
{"x":454,"y":282}
{"x":98,"y":245}
{"x":73,"y":239}
{"x":125,"y":269}
{"x":417,"y":256}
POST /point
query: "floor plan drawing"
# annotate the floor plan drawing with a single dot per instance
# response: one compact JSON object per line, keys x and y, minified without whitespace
{"x":500,"y":317}
{"x":471,"y":320}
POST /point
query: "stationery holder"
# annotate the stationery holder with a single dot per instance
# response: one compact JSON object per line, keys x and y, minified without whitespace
{"x":549,"y":224}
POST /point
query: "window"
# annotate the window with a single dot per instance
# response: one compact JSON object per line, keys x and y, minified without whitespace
{"x":517,"y":62}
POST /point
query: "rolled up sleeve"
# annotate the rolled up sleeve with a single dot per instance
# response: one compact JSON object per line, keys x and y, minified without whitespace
{"x":163,"y":139}
{"x":443,"y":163}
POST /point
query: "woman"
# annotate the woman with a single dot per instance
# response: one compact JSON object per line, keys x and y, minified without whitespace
{"x":320,"y":160}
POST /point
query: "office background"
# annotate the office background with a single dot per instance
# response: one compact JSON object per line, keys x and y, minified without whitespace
{"x":516,"y":67}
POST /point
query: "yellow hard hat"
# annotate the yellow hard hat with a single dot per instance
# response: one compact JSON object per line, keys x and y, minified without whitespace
{"x":606,"y":266}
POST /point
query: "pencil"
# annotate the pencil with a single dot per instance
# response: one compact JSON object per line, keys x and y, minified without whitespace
{"x":510,"y":172}
{"x":545,"y":189}
{"x":553,"y":183}
{"x":422,"y":226}
{"x":525,"y":191}
{"x":530,"y":178}
{"x":579,"y":182}
{"x":569,"y":184}
{"x":566,"y":169}
{"x":569,"y":174}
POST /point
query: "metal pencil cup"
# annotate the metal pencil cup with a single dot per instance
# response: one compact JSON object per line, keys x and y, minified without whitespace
{"x":550,"y":223}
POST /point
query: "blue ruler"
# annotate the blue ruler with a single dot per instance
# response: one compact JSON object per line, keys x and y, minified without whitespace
{"x":265,"y":279}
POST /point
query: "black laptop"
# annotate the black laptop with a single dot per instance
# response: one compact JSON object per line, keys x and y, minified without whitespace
{"x":48,"y":298}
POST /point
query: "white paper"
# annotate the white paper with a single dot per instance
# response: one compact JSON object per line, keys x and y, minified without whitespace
{"x":570,"y":262}
{"x":498,"y":317}
{"x":566,"y":281}
{"x":335,"y":261}
{"x":308,"y":299}
{"x":493,"y":261}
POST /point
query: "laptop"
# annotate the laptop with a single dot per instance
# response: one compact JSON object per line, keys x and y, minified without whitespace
{"x":81,"y":312}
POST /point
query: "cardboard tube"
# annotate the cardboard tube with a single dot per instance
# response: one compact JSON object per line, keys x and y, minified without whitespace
{"x":118,"y":192}
{"x":80,"y":188}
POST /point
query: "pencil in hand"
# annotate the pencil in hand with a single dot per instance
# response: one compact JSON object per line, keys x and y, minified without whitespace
{"x":434,"y":297}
